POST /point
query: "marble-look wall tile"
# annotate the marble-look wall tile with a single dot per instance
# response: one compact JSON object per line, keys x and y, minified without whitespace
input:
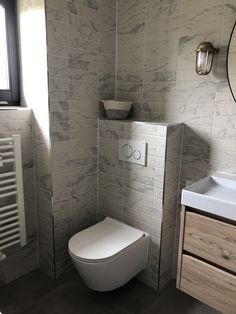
{"x":170,"y":202}
{"x":35,"y":96}
{"x":81,"y":61}
{"x":171,"y":90}
{"x":131,"y":17}
{"x":107,"y":50}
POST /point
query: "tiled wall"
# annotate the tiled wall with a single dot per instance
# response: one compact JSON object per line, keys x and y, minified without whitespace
{"x":81,"y":64}
{"x":136,"y":194}
{"x":34,"y":95}
{"x":156,"y":43}
{"x":174,"y":138}
{"x":156,"y":68}
{"x":21,"y":260}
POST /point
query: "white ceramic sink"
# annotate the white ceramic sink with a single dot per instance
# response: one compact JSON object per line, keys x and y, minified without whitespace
{"x":214,"y":194}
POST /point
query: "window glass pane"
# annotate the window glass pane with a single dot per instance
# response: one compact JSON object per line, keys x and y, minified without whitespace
{"x":4,"y":71}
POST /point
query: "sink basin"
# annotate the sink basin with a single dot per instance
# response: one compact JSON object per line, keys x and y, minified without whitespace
{"x":215,"y":194}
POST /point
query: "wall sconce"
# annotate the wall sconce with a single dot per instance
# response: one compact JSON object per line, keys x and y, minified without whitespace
{"x":204,"y":58}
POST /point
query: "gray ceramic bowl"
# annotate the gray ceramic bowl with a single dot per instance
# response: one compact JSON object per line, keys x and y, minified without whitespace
{"x":116,"y":109}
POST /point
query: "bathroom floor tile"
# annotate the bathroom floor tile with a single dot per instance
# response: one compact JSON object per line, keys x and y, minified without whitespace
{"x":37,"y":294}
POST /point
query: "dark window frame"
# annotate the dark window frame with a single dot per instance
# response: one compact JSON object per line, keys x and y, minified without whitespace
{"x":12,"y":96}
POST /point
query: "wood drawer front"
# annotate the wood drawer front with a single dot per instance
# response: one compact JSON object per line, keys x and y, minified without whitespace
{"x":211,"y":239}
{"x":209,"y":284}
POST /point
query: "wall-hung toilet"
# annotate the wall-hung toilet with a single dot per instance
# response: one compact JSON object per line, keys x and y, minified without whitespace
{"x":108,"y":254}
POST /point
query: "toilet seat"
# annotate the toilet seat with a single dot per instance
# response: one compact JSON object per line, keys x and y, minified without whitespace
{"x":103,"y":241}
{"x":102,"y":260}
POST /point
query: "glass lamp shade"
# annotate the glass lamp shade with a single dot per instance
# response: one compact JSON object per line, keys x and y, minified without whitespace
{"x":204,"y":58}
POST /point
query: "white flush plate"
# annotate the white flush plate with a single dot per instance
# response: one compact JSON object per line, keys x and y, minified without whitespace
{"x":133,"y":151}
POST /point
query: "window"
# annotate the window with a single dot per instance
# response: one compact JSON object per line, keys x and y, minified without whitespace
{"x":9,"y":78}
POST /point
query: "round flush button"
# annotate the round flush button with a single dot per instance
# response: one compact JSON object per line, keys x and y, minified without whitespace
{"x":127,"y":151}
{"x":137,"y":154}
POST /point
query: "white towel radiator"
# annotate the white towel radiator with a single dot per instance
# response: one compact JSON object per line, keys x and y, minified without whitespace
{"x":12,"y":210}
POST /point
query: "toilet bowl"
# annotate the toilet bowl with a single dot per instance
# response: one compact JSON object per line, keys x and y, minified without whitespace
{"x":108,"y":254}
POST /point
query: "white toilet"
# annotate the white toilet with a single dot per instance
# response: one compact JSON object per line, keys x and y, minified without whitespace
{"x":109,"y":253}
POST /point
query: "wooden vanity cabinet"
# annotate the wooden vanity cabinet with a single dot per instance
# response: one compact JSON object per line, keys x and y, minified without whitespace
{"x":207,"y":260}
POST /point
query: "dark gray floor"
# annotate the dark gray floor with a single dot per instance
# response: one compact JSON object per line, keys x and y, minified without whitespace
{"x":37,"y":294}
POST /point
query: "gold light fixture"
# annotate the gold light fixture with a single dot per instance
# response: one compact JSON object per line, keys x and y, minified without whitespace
{"x":204,"y":58}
